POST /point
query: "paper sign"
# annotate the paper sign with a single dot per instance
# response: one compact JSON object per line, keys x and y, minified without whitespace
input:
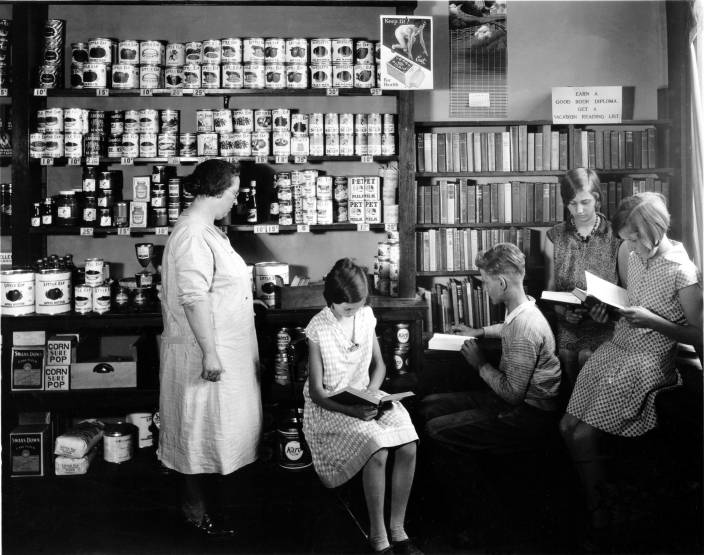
{"x":406,"y":61}
{"x":587,"y":104}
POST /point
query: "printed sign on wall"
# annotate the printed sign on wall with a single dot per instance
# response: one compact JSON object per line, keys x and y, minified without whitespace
{"x":406,"y":57}
{"x":589,"y":104}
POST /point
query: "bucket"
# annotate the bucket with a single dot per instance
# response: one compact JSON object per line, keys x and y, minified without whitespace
{"x":294,"y":453}
{"x":268,"y":278}
{"x":52,"y":291}
{"x":17,"y":292}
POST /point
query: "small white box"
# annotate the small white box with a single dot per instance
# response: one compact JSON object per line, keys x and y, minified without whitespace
{"x":356,"y":211}
{"x":372,"y":211}
{"x":61,"y":350}
{"x":356,"y":188}
{"x":138,"y":214}
{"x":141,"y":188}
{"x":57,"y":377}
{"x":371,"y":188}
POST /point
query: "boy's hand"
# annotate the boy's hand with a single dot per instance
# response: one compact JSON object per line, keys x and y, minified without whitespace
{"x":473,"y":354}
{"x":461,"y":329}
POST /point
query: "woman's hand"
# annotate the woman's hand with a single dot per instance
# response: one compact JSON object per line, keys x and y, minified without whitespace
{"x":599,"y":313}
{"x":461,"y":329}
{"x":638,"y":316}
{"x":212,"y":369}
{"x":363,"y":412}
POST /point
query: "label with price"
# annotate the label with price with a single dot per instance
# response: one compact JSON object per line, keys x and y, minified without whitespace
{"x":266,"y":228}
{"x":281,"y":159}
{"x":102,"y":92}
{"x":92,"y":160}
{"x":375,"y":91}
{"x":47,"y":161}
{"x":127,"y":161}
{"x":302,"y":228}
{"x":390,"y":227}
{"x":173,"y":160}
{"x":232,"y":159}
{"x":332,"y":91}
{"x":145,"y":92}
{"x":161,"y":231}
{"x":176,"y":92}
{"x":3,"y":92}
{"x":300,"y":159}
{"x":363,"y":226}
{"x":261,"y":159}
{"x":198,"y":92}
{"x":367,"y":159}
{"x":201,"y":159}
{"x":39,"y":92}
{"x":74,"y":161}
{"x":87,"y":231}
{"x":123,"y":230}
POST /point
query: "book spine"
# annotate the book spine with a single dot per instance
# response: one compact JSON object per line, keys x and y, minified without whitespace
{"x":434,"y":154}
{"x":470,"y":151}
{"x":472,"y":202}
{"x":427,"y":152}
{"x":530,"y":158}
{"x":420,"y":153}
{"x":491,"y":152}
{"x":462,"y":151}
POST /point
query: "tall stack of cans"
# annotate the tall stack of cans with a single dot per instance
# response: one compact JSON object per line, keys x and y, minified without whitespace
{"x":5,"y":55}
{"x":364,"y":204}
{"x":50,"y":74}
{"x":401,"y":348}
{"x":282,"y":375}
{"x":386,"y":266}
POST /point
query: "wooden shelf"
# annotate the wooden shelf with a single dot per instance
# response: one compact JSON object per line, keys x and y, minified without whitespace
{"x":492,"y":225}
{"x":177,"y":160}
{"x":547,"y":173}
{"x":122,"y":398}
{"x":248,"y":228}
{"x":63,"y":322}
{"x":314,"y":228}
{"x":500,"y":123}
{"x":197,"y":93}
{"x":407,"y":4}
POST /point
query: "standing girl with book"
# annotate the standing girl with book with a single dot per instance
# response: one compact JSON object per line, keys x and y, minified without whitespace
{"x":344,"y":439}
{"x":585,"y":241}
{"x":615,"y":391}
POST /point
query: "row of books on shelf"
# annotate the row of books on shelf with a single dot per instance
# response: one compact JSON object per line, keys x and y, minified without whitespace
{"x":610,"y":149}
{"x":454,"y":250}
{"x":462,"y":301}
{"x":615,"y":191}
{"x":464,"y":201}
{"x":487,"y":151}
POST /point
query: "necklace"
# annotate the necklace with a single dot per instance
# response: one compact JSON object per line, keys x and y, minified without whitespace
{"x":586,"y":238}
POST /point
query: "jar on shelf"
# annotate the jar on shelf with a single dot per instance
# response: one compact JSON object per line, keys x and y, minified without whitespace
{"x":66,"y":209}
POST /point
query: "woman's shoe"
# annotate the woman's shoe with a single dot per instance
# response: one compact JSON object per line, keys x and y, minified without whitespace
{"x":209,"y":528}
{"x":406,"y":546}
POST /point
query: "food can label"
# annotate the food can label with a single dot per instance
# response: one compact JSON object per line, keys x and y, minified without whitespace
{"x":175,"y":54}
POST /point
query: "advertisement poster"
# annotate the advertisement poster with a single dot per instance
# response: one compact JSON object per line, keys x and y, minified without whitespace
{"x":406,"y":57}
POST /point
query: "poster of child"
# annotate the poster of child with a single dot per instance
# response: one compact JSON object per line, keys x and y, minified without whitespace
{"x":406,"y":58}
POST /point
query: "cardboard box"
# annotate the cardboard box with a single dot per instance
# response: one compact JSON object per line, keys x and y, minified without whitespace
{"x":57,"y":377}
{"x":106,"y":373}
{"x":309,"y":296}
{"x":60,"y":350}
{"x":29,"y":450}
{"x":28,"y":338}
{"x":141,"y":185}
{"x":138,"y":214}
{"x":27,"y":368}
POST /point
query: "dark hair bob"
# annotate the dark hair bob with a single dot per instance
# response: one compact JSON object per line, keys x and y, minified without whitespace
{"x":210,"y":178}
{"x":345,"y":283}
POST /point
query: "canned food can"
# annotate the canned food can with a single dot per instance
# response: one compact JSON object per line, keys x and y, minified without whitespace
{"x":332,"y":144}
{"x":299,"y":124}
{"x":205,"y":121}
{"x":150,"y":77}
{"x":388,"y":145}
{"x":118,"y":442}
{"x":232,"y":76}
{"x":281,"y":373}
{"x":101,"y":299}
{"x":95,"y":75}
{"x":260,"y":144}
{"x":128,"y":52}
{"x":262,"y":120}
{"x":403,"y":333}
{"x":120,"y":214}
{"x":275,"y":51}
{"x":73,"y":145}
{"x":283,"y":193}
{"x":53,"y":120}
{"x":231,"y":51}
{"x":297,"y":76}
{"x":148,"y":145}
{"x":253,"y":50}
{"x":227,"y":144}
{"x":283,"y":339}
{"x":131,"y":121}
{"x":191,"y":76}
{"x":105,"y":216}
{"x":321,"y":76}
{"x":116,"y":121}
{"x":79,"y":52}
{"x":346,"y":124}
{"x":364,"y":76}
{"x":212,"y":51}
{"x":243,"y":120}
{"x":54,"y":145}
{"x":364,"y":52}
{"x":281,"y":143}
{"x":360,"y":123}
{"x":125,"y":76}
{"x":148,"y":120}
{"x":194,"y":52}
{"x":389,"y":126}
{"x":55,"y":30}
{"x":316,"y":145}
{"x":320,"y":51}
{"x":173,"y":77}
{"x":323,"y":186}
{"x":187,"y":144}
{"x":275,"y":76}
{"x":346,"y":145}
{"x":243,"y":144}
{"x":151,"y":53}
{"x":285,"y":219}
{"x":210,"y":76}
{"x":160,"y":217}
{"x":342,"y":51}
{"x":281,"y":119}
{"x":300,"y":145}
{"x":175,"y":54}
{"x":401,"y":357}
{"x":36,"y":145}
{"x":100,"y":51}
{"x":17,"y":292}
{"x":207,"y":144}
{"x":173,"y":211}
{"x":341,"y":212}
{"x":51,"y":54}
{"x":373,"y":123}
{"x":222,"y":121}
{"x":52,"y":290}
{"x":297,"y":51}
{"x":76,"y":75}
{"x":373,"y":144}
{"x":115,"y":145}
{"x":340,"y":188}
{"x":361,"y":147}
{"x":93,"y":144}
{"x":254,"y":75}
{"x":324,"y":211}
{"x":130,"y":145}
{"x":83,"y":299}
{"x":96,"y":121}
{"x":170,"y":120}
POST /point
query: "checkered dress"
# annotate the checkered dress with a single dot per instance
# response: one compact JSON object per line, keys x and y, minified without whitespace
{"x":340,"y":444}
{"x":615,"y":391}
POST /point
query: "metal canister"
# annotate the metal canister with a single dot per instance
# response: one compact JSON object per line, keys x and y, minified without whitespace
{"x":260,"y":143}
{"x":125,"y":76}
{"x":403,"y":333}
{"x":150,"y":77}
{"x":316,"y":145}
{"x":316,"y":125}
{"x":104,"y":216}
{"x":170,"y":120}
{"x":323,"y":186}
{"x":275,"y":51}
{"x":175,"y":54}
{"x":173,"y":77}
{"x":281,"y":143}
{"x":167,"y":145}
{"x":346,"y":124}
{"x":194,"y":52}
{"x":101,"y":299}
{"x":147,"y":145}
{"x":320,"y":51}
{"x":226,"y":144}
{"x":148,"y":120}
{"x":275,"y":76}
{"x":94,"y":271}
{"x":294,"y":453}
{"x":364,"y":76}
{"x":231,"y":50}
{"x":100,"y":50}
{"x":73,"y":145}
{"x":207,"y":144}
{"x":243,"y":120}
{"x":36,"y":145}
{"x":118,"y":442}
{"x":262,"y":120}
{"x":281,"y":119}
{"x":297,"y":51}
{"x":210,"y":76}
{"x":95,"y":75}
{"x":53,"y":145}
{"x":121,"y":215}
{"x":331,"y":123}
{"x":17,"y":292}
{"x":254,"y":75}
{"x":361,"y":145}
{"x":243,"y":144}
{"x":253,"y":50}
{"x":79,"y":52}
{"x":281,"y":369}
{"x":401,"y":360}
{"x":187,"y":144}
{"x":373,"y":123}
{"x":324,"y":211}
{"x":93,"y":144}
{"x":388,"y":125}
{"x":131,"y":124}
{"x":83,"y":299}
{"x":205,"y":122}
{"x":212,"y":51}
{"x":283,"y":339}
{"x":321,"y":76}
{"x":297,"y":76}
{"x":52,"y":291}
{"x":151,"y":53}
{"x":346,"y":144}
{"x":76,"y":75}
{"x":363,"y":52}
{"x":96,"y":121}
{"x":332,"y":144}
{"x":222,"y":121}
{"x":191,"y":76}
{"x":232,"y":76}
{"x":373,"y":144}
{"x":128,"y":52}
{"x":343,"y":76}
{"x":116,"y":122}
{"x":53,"y":120}
{"x":299,"y":124}
{"x":130,"y":145}
{"x":342,"y":51}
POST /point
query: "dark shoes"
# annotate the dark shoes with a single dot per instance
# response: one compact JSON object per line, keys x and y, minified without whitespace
{"x":207,"y":527}
{"x":405,"y":546}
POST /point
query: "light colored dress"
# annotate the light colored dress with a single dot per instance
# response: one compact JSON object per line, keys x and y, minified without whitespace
{"x":207,"y":427}
{"x":341,"y":445}
{"x":615,"y":391}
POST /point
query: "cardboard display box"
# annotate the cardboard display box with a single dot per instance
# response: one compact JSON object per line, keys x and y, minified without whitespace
{"x":107,"y":373}
{"x":29,"y":450}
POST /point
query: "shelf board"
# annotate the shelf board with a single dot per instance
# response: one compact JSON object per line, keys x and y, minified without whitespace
{"x":127,"y":397}
{"x":190,"y":160}
{"x":490,"y":225}
{"x":499,"y":123}
{"x":71,"y":320}
{"x":187,"y":93}
{"x":314,"y":228}
{"x":547,"y":173}
{"x":390,"y":3}
{"x":96,"y":231}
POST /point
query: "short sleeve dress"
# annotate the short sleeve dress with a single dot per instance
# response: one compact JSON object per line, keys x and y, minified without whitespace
{"x":341,"y":445}
{"x":573,"y":255}
{"x":615,"y":391}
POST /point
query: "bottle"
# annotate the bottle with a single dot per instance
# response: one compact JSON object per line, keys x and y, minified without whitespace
{"x":251,"y":207}
{"x":241,"y":209}
{"x":48,"y":211}
{"x":36,"y":220}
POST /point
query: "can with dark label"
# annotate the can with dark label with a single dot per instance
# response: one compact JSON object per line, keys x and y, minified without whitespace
{"x":253,"y":50}
{"x":283,"y":339}
{"x":320,"y":51}
{"x":212,"y":51}
{"x":210,"y":76}
{"x":194,"y":52}
{"x":95,"y":75}
{"x":205,"y":122}
{"x":191,"y":76}
{"x":83,"y":299}
{"x":297,"y":51}
{"x":100,"y":50}
{"x":232,"y":76}
{"x":275,"y":76}
{"x":128,"y":52}
{"x":275,"y":51}
{"x":173,"y":77}
{"x":125,"y":76}
{"x":187,"y":145}
{"x":231,"y":51}
{"x":254,"y":75}
{"x":79,"y":52}
{"x":297,"y":76}
{"x":342,"y":51}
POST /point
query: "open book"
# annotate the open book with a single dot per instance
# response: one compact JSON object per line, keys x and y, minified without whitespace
{"x":598,"y":291}
{"x":447,"y":342}
{"x":354,"y":396}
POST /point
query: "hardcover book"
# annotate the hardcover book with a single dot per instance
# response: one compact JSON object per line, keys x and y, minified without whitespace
{"x":447,"y":342}
{"x":354,"y":396}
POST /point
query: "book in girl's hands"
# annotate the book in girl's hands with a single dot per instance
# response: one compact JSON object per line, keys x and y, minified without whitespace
{"x":447,"y":342}
{"x":354,"y":396}
{"x":598,"y":291}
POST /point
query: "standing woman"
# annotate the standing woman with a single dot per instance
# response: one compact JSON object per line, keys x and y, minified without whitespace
{"x":584,"y":242}
{"x":209,"y":404}
{"x":615,"y":391}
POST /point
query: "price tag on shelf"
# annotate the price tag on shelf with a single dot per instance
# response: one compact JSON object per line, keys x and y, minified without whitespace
{"x":3,"y":92}
{"x":201,"y":159}
{"x":161,"y":231}
{"x":173,"y":161}
{"x":232,"y":159}
{"x":266,"y":228}
{"x":281,"y":159}
{"x":302,"y":228}
{"x":390,"y":227}
{"x":363,"y":226}
{"x":145,"y":92}
{"x":367,"y":159}
{"x":74,"y":161}
{"x":261,"y":159}
{"x":127,"y":161}
{"x":92,"y":160}
{"x":102,"y":92}
{"x":376,"y":91}
{"x":332,"y":91}
{"x":87,"y":231}
{"x":198,"y":92}
{"x":300,"y":159}
{"x":40,"y":92}
{"x":47,"y":162}
{"x":176,"y":92}
{"x":123,"y":230}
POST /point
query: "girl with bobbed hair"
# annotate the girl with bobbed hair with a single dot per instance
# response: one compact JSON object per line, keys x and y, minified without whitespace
{"x":615,"y":391}
{"x":344,"y":439}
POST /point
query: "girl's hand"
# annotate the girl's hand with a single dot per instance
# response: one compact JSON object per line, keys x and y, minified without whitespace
{"x":363,"y":412}
{"x":574,"y":315}
{"x":599,"y":313}
{"x":637,"y":316}
{"x":212,"y":369}
{"x":461,"y":329}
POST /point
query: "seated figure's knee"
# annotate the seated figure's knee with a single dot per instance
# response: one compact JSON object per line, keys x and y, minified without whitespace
{"x":407,"y":451}
{"x":568,"y":424}
{"x":583,"y":357}
{"x":379,"y":458}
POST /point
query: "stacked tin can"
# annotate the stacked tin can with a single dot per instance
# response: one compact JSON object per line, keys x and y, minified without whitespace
{"x":50,"y":73}
{"x":386,"y":266}
{"x":5,"y":202}
{"x":364,"y":205}
{"x":282,"y":376}
{"x":389,"y":193}
{"x":401,"y":347}
{"x":5,"y":55}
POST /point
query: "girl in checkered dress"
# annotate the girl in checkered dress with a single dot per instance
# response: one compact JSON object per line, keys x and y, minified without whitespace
{"x":615,"y":391}
{"x":344,"y":439}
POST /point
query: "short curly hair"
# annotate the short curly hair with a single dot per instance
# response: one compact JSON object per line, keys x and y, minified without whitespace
{"x":502,"y":259}
{"x":211,"y":178}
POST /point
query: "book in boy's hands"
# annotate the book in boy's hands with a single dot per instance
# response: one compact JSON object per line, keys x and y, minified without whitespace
{"x":354,"y":396}
{"x":447,"y":342}
{"x":598,"y":291}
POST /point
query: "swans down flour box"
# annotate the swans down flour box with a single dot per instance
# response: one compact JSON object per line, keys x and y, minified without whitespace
{"x":29,"y":450}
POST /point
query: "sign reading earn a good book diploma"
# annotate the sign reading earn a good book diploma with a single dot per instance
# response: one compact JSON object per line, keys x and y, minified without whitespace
{"x":588,"y":104}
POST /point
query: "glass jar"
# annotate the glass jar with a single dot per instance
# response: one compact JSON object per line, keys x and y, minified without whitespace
{"x":48,"y":211}
{"x":90,"y":210}
{"x":66,"y":209}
